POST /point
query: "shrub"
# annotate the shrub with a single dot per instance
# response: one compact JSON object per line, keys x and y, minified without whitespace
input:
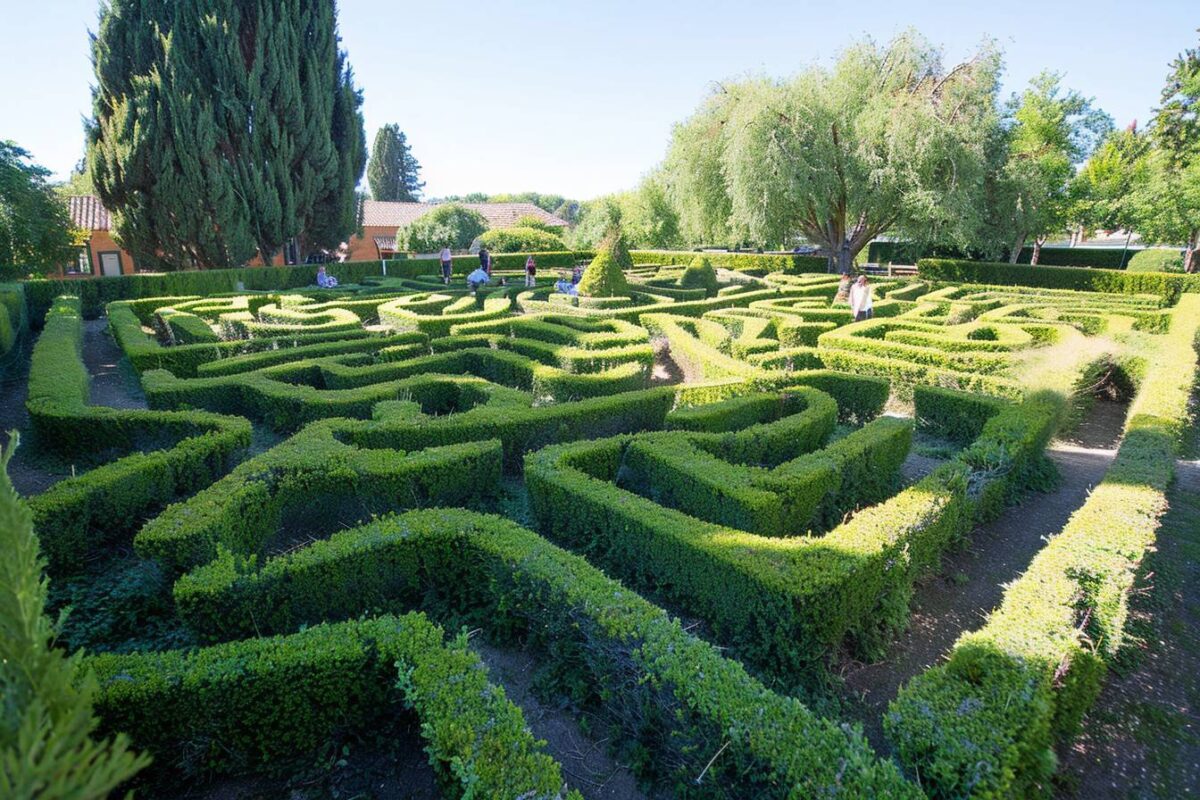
{"x":522,"y":240}
{"x":700,"y":275}
{"x":984,"y":724}
{"x":603,"y":277}
{"x":449,"y":225}
{"x":1165,"y":286}
{"x":1156,"y":260}
{"x":756,"y":263}
{"x":538,"y":224}
{"x":245,"y":704}
{"x":170,"y":454}
{"x":48,"y":746}
{"x":670,"y":694}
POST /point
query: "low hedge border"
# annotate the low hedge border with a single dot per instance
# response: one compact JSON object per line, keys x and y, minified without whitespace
{"x":14,"y":320}
{"x":985,"y":723}
{"x":185,"y":451}
{"x":762,"y":263}
{"x":1165,"y":285}
{"x":244,"y":705}
{"x":714,"y":730}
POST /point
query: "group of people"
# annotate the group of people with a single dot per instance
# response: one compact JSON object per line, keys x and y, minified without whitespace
{"x":482,"y":275}
{"x":569,"y":284}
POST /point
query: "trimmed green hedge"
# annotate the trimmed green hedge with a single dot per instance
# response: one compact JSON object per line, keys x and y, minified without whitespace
{"x":956,"y":416}
{"x":710,"y":729}
{"x":985,"y":723}
{"x":13,"y":318}
{"x":96,"y":293}
{"x":1164,"y":285}
{"x":756,"y":262}
{"x":183,"y":451}
{"x":1092,"y":257}
{"x":315,"y":482}
{"x":244,"y":705}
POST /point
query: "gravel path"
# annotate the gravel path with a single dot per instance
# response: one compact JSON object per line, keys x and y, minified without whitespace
{"x":972,"y":580}
{"x":114,"y":383}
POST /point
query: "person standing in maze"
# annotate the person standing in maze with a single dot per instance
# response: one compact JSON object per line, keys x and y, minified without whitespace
{"x":860,"y":299}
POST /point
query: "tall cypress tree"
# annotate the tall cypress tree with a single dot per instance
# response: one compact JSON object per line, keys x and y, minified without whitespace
{"x":224,"y":128}
{"x":394,"y":173}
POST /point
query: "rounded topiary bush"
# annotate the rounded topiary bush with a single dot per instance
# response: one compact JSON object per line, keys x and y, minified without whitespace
{"x":700,"y":275}
{"x":1157,"y":259}
{"x":521,"y":240}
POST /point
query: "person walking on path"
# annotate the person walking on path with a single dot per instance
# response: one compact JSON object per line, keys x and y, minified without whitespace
{"x":860,"y":299}
{"x":530,"y":273}
{"x":447,"y":264}
{"x":485,"y":261}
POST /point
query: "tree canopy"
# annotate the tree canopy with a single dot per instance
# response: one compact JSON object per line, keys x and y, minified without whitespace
{"x":1047,"y":133}
{"x":394,"y":173}
{"x":889,"y":139}
{"x":36,"y":234}
{"x":449,"y":225}
{"x":224,"y":128}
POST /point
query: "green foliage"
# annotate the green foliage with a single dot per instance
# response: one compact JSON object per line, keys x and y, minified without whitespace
{"x":1047,"y":134}
{"x":700,"y":275}
{"x":245,"y":704}
{"x":1102,"y":192}
{"x":985,"y":723}
{"x":393,"y":172}
{"x":708,"y":716}
{"x":36,"y":234}
{"x":450,"y":225}
{"x":605,"y":276}
{"x":1093,"y":280}
{"x":840,"y":155}
{"x":47,"y":724}
{"x":166,"y":454}
{"x":522,"y":240}
{"x":1156,"y":260}
{"x":537,"y":223}
{"x":956,"y":416}
{"x":223,"y":130}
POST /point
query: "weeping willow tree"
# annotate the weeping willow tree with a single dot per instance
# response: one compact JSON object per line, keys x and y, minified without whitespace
{"x":889,"y":139}
{"x":224,"y":128}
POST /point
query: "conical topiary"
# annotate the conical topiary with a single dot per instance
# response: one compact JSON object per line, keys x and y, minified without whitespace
{"x":604,"y":276}
{"x":700,"y":275}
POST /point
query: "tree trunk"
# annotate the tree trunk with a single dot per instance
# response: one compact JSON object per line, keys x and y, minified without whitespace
{"x":1125,"y":251}
{"x":1018,"y":246}
{"x":1189,"y":257}
{"x":845,"y":259}
{"x":1037,"y":252}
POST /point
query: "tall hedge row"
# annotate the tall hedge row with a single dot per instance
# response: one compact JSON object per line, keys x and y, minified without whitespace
{"x":1167,"y":286}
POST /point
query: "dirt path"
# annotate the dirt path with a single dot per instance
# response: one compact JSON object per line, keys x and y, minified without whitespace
{"x":971,"y":581}
{"x":1142,"y":738}
{"x":666,"y":372}
{"x":114,"y":382}
{"x":586,"y":764}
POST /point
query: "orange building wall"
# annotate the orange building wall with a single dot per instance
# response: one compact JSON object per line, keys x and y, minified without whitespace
{"x":362,"y":248}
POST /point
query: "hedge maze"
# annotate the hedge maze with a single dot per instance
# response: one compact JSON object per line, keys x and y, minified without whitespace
{"x":691,"y":504}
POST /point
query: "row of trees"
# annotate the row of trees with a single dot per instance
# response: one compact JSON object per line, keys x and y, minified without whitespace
{"x":892,"y":140}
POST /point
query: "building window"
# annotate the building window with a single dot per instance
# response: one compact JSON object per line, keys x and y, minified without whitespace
{"x":82,"y":265}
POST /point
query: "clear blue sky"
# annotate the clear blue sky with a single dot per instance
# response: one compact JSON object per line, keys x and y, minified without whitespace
{"x":579,"y":99}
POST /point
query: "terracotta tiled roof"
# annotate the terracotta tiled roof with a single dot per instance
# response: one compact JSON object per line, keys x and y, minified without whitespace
{"x":378,"y":213}
{"x":87,"y":212}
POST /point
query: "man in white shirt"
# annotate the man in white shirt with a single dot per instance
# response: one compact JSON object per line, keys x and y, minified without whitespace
{"x":447,"y":262}
{"x":860,"y":299}
{"x":476,"y":279}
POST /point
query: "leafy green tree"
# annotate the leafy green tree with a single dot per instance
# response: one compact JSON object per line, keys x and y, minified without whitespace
{"x":521,"y":240}
{"x":224,"y":128}
{"x":1047,"y":133}
{"x":47,"y":747}
{"x":1102,"y":192}
{"x":1168,"y":198}
{"x":78,"y":183}
{"x":647,"y":217}
{"x":537,"y":223}
{"x":596,"y":218}
{"x":1167,"y":203}
{"x":394,"y":173}
{"x":887,"y":140}
{"x":36,"y":234}
{"x":449,"y":225}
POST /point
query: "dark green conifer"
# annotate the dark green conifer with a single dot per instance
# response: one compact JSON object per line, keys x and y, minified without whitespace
{"x":224,"y":128}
